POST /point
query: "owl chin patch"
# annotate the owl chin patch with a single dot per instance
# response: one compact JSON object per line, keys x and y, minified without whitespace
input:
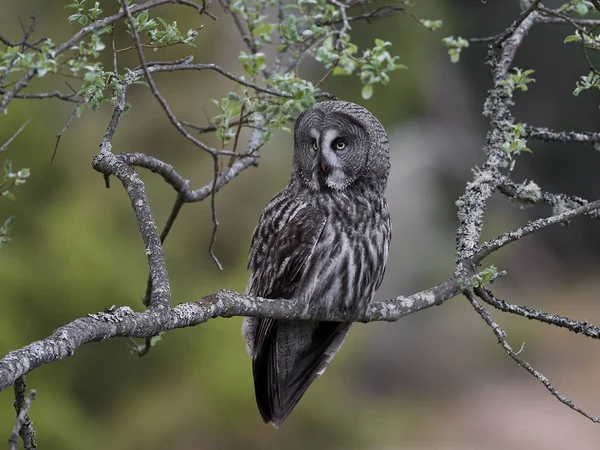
{"x":337,"y":180}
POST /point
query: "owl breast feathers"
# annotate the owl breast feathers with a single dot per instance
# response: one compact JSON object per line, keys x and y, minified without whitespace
{"x":323,"y":241}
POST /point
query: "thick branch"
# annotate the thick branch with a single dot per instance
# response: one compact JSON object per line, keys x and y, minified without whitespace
{"x":108,"y":164}
{"x":124,"y":322}
{"x":472,"y":204}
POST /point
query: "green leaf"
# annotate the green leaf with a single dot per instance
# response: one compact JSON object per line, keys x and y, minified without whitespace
{"x":572,"y":38}
{"x":8,"y":223}
{"x":367,"y":91}
{"x":582,"y":9}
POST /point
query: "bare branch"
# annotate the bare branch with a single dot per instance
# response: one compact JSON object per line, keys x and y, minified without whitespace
{"x":106,"y":163}
{"x":558,"y":18}
{"x":529,"y":193}
{"x":511,"y":42}
{"x":179,"y":183}
{"x":61,"y":132}
{"x":501,"y":335}
{"x":23,"y":426}
{"x":43,"y":95}
{"x":472,"y":204}
{"x":179,"y":202}
{"x":510,"y":31}
{"x":535,"y":225}
{"x":548,"y":135}
{"x":12,"y":138}
{"x":125,"y":322}
{"x":584,"y":327}
{"x":378,"y":13}
{"x":213,"y":211}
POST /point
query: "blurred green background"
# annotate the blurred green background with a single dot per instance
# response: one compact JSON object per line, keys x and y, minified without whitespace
{"x":434,"y":380}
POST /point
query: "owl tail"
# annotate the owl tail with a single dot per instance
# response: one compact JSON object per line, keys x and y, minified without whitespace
{"x":289,"y":357}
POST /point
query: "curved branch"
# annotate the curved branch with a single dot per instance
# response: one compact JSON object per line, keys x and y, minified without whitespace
{"x":182,"y":185}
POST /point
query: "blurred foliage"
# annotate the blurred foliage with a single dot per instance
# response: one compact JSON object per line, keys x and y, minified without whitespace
{"x":9,"y":180}
{"x":435,"y":380}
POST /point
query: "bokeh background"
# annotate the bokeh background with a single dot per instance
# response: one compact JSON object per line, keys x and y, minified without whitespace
{"x":434,"y":380}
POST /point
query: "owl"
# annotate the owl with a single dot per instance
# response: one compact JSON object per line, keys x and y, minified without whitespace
{"x":322,"y":241}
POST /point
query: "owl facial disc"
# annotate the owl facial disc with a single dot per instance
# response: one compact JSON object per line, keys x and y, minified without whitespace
{"x":328,"y":171}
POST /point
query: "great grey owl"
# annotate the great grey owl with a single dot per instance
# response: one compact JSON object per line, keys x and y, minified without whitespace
{"x":323,"y":241}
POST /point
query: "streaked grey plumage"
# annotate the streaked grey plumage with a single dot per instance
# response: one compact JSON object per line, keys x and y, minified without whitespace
{"x":323,"y":240}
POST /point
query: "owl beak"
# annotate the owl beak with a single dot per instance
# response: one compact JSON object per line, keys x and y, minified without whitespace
{"x":323,"y":167}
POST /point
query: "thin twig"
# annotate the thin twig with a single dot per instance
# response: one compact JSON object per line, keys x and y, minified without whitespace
{"x":214,"y":213}
{"x":584,"y":327}
{"x":210,"y":128}
{"x":535,"y":225}
{"x":328,"y":73}
{"x":12,"y":138}
{"x":43,"y":95}
{"x":511,"y":30}
{"x":501,"y":335}
{"x":61,"y":132}
{"x":236,"y":138}
{"x":114,"y":51}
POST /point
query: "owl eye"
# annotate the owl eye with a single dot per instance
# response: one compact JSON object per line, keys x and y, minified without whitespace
{"x":339,"y":144}
{"x":314,"y":145}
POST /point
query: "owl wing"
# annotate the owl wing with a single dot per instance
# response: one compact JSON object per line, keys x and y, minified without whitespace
{"x":288,"y":355}
{"x":281,"y":246}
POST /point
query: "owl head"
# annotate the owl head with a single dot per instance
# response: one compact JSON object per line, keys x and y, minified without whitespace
{"x":338,"y":145}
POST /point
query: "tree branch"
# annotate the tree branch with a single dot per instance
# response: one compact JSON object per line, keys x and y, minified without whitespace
{"x":548,"y":135}
{"x":125,"y":322}
{"x":108,"y":164}
{"x":584,"y":327}
{"x":23,"y":426}
{"x":535,"y":225}
{"x":501,"y":335}
{"x":13,"y":137}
